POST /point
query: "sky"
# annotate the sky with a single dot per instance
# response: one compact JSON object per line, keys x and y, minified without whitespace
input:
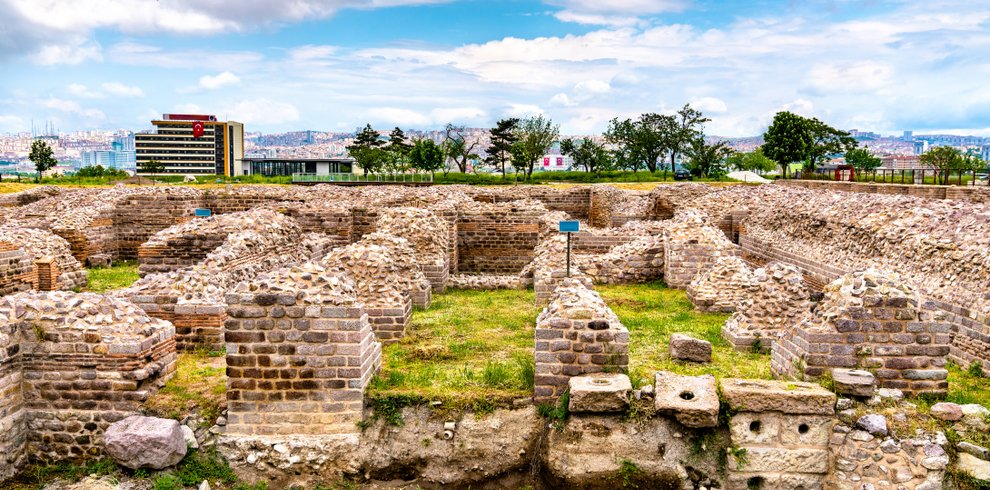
{"x":334,"y":65}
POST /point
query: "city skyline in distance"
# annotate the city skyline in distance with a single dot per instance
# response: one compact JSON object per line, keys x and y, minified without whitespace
{"x":333,"y":65}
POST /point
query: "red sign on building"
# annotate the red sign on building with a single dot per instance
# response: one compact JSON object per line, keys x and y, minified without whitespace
{"x":198,"y":129}
{"x":560,"y":161}
{"x":546,"y":161}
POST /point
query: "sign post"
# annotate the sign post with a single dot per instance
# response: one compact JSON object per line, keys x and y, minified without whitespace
{"x":569,"y":227}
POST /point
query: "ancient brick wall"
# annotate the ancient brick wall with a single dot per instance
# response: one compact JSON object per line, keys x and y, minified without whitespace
{"x":333,"y":221}
{"x":691,"y":246}
{"x":17,"y":272}
{"x":776,"y":300}
{"x":300,"y":354}
{"x":13,"y":417}
{"x":576,"y":334}
{"x":428,"y":237}
{"x":975,"y":194}
{"x":78,"y":373}
{"x":870,"y":320}
{"x":723,"y":287}
{"x":139,"y":216}
{"x":497,"y":239}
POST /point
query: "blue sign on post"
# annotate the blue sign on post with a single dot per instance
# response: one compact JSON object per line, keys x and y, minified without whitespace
{"x":203,"y":213}
{"x":569,"y":227}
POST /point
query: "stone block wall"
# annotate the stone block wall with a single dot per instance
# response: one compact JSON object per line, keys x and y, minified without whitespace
{"x":640,"y":260}
{"x":300,"y":352}
{"x":497,"y":239}
{"x":83,"y":361}
{"x":428,"y":236}
{"x":784,"y":429}
{"x":139,"y":216}
{"x":873,"y":321}
{"x":13,"y":416}
{"x":576,"y":334}
{"x":691,"y":247}
{"x":861,"y":460}
{"x":335,"y":222}
{"x":53,"y":265}
{"x":176,"y":252}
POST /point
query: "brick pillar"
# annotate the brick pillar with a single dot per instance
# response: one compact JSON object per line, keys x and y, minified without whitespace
{"x":300,"y":352}
{"x":47,"y":274}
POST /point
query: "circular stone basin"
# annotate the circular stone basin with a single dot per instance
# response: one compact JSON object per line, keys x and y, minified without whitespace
{"x":601,"y":381}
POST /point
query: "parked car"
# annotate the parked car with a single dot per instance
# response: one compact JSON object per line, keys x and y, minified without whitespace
{"x":682,"y":174}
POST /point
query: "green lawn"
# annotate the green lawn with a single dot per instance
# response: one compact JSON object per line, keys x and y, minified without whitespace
{"x":103,"y":279}
{"x":476,"y":347}
{"x":652,"y":312}
{"x":471,"y":349}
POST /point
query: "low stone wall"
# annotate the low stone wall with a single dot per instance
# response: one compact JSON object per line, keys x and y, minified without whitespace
{"x":576,"y":334}
{"x":428,"y":238}
{"x":70,"y":365}
{"x":184,"y":245}
{"x":869,"y":320}
{"x":976,"y":194}
{"x":17,"y":269}
{"x":722,"y":288}
{"x":300,"y":352}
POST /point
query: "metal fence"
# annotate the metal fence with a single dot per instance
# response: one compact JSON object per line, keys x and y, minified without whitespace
{"x":369,"y":179}
{"x":888,"y":176}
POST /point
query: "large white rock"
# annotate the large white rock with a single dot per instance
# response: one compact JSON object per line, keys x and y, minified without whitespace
{"x":145,"y":442}
{"x":975,"y":467}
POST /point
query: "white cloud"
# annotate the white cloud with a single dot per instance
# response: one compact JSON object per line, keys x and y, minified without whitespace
{"x":80,"y":90}
{"x":856,"y":76}
{"x":262,"y":111}
{"x":137,"y":54}
{"x":614,"y":12}
{"x":401,"y":117}
{"x":311,"y":52}
{"x":73,"y":107}
{"x":562,"y":99}
{"x":121,"y":90}
{"x":220,"y":80}
{"x":457,"y":115}
{"x":73,"y":53}
{"x":710,"y":105}
{"x":523,"y":110}
{"x":11,"y":123}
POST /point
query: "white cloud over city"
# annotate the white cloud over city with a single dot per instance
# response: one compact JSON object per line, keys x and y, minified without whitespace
{"x":909,"y":65}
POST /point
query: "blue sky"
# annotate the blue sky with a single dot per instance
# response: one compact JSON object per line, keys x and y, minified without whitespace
{"x":334,"y":65}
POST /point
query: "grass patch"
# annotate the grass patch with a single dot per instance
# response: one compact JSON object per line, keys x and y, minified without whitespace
{"x":37,"y":476}
{"x":199,"y":384}
{"x":470,"y":350}
{"x":103,"y":279}
{"x":652,"y":312}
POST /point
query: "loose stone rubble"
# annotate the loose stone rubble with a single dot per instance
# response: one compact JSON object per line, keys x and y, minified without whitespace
{"x":723,"y":287}
{"x":777,"y":300}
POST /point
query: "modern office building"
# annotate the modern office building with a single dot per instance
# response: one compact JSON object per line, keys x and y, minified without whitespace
{"x":192,"y":144}
{"x":274,"y":166}
{"x":116,"y":158}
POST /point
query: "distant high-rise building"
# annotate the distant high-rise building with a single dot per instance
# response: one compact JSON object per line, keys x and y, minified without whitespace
{"x":920,"y":147}
{"x":116,"y":158}
{"x":193,"y":144}
{"x":985,"y":153}
{"x":908,"y":136}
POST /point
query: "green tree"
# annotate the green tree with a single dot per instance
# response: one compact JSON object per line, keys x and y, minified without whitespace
{"x":151,"y":167}
{"x":753,"y":161}
{"x":707,"y":160}
{"x":502,"y":137}
{"x":457,"y":147}
{"x":368,"y":152}
{"x":397,"y":142}
{"x":787,"y":140}
{"x":42,"y":156}
{"x":861,"y":159}
{"x":426,"y":156}
{"x":688,"y":125}
{"x":945,"y":160}
{"x":587,"y":153}
{"x":621,"y":135}
{"x":825,"y":140}
{"x":535,"y":136}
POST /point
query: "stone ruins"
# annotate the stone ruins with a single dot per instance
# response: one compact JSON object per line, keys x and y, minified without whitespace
{"x":303,"y":286}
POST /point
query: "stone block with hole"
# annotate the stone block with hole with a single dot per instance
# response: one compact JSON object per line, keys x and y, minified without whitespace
{"x":599,"y":392}
{"x":692,"y":400}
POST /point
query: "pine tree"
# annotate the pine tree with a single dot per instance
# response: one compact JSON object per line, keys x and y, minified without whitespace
{"x":502,"y":137}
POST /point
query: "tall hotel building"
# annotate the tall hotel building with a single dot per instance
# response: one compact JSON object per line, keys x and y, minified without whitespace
{"x":192,"y":144}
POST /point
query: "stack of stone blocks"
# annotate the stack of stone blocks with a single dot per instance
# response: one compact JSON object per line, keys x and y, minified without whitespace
{"x":300,"y":353}
{"x":870,"y":320}
{"x":576,"y":334}
{"x":780,"y":433}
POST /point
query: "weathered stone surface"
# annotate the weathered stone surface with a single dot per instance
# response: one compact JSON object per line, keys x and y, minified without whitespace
{"x":145,"y":442}
{"x":947,"y":411}
{"x":875,"y":424}
{"x":970,"y":448}
{"x":692,"y":400}
{"x":599,"y":392}
{"x":687,"y":348}
{"x":973,"y":466}
{"x":778,"y":396}
{"x":853,"y":382}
